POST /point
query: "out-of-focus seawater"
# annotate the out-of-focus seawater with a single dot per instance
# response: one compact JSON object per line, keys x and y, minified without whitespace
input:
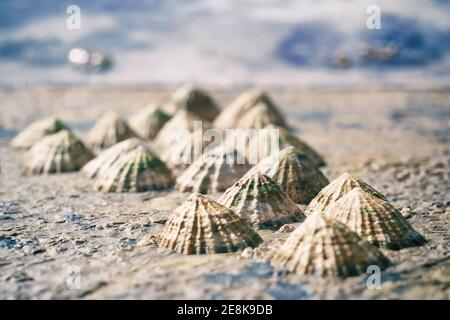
{"x":226,"y":42}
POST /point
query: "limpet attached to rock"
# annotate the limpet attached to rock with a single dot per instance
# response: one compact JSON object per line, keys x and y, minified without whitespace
{"x":147,"y":122}
{"x":56,"y":153}
{"x":261,"y":202}
{"x":201,"y":225}
{"x":325,"y":247}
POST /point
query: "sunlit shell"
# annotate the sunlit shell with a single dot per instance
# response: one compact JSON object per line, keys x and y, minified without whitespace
{"x":325,"y":247}
{"x":194,"y":100}
{"x":272,"y":137}
{"x":56,"y":153}
{"x":201,"y":225}
{"x":375,"y":220}
{"x":108,"y":157}
{"x":147,"y":122}
{"x":181,"y":125}
{"x":135,"y":171}
{"x":107,"y":131}
{"x":294,"y":172}
{"x":232,"y":116}
{"x":260,"y":202}
{"x":215,"y":171}
{"x":258,"y":117}
{"x":336,"y":190}
{"x":36,"y":131}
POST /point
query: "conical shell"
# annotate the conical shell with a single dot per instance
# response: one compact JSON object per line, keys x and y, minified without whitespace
{"x":56,"y":153}
{"x":147,"y":122}
{"x":107,"y":131}
{"x":106,"y":159}
{"x":258,"y":117}
{"x":326,"y":247}
{"x":135,"y":171}
{"x":260,"y":202}
{"x":336,"y":190}
{"x":232,"y":116}
{"x":194,"y":100}
{"x":215,"y":171}
{"x":264,"y":139}
{"x":375,"y":220}
{"x":36,"y":131}
{"x":203,"y":226}
{"x":182,"y":124}
{"x":294,"y":172}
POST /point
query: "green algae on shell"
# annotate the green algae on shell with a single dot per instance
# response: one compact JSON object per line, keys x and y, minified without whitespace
{"x":137,"y":170}
{"x":107,"y":131}
{"x":201,"y":225}
{"x":147,"y":122}
{"x":325,"y":247}
{"x":56,"y":153}
{"x":375,"y":220}
{"x":294,"y":172}
{"x":106,"y":159}
{"x":261,"y":202}
{"x":336,"y":189}
{"x":36,"y":131}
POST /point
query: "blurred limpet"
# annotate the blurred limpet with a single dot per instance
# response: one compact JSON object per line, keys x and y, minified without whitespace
{"x":325,"y":247}
{"x":201,"y":225}
{"x":271,"y":137}
{"x":147,"y":122}
{"x":260,"y":202}
{"x":137,"y":170}
{"x":375,"y":220}
{"x":193,"y":100}
{"x":108,"y":157}
{"x":182,"y":123}
{"x":36,"y":131}
{"x":336,"y":189}
{"x":236,"y":114}
{"x":107,"y":131}
{"x":294,"y":172}
{"x":56,"y":153}
{"x":214,"y":171}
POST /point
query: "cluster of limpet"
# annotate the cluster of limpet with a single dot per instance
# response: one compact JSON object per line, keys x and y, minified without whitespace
{"x":325,"y":247}
{"x":252,"y":109}
{"x":105,"y":160}
{"x":374,"y":219}
{"x":56,"y":153}
{"x":201,"y":225}
{"x":193,"y":100}
{"x":147,"y":122}
{"x":107,"y":131}
{"x":137,"y":170}
{"x":36,"y":131}
{"x":214,"y":171}
{"x":261,"y":202}
{"x":294,"y":172}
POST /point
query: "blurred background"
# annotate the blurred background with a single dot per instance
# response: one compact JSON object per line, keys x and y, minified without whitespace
{"x":225,"y":42}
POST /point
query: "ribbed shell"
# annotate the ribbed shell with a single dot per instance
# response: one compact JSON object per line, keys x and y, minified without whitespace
{"x":104,"y":161}
{"x":107,"y":131}
{"x":176,"y":128}
{"x":36,"y":131}
{"x":260,"y":202}
{"x":294,"y":172}
{"x":194,"y":100}
{"x":135,"y":171}
{"x":147,"y":122}
{"x":374,"y":220}
{"x":264,"y":139}
{"x":235,"y":115}
{"x":56,"y":153}
{"x":325,"y":247}
{"x":201,"y":225}
{"x":336,"y":190}
{"x":211,"y":173}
